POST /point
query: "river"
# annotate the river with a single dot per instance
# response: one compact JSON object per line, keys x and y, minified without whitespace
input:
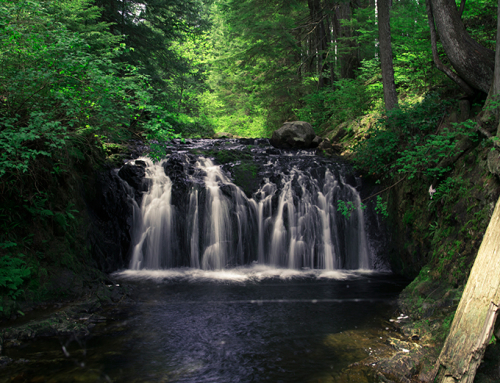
{"x":249,"y":324}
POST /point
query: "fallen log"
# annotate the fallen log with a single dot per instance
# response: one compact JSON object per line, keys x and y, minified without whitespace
{"x":477,"y":311}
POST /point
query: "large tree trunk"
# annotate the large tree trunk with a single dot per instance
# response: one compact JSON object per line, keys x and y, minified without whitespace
{"x":474,"y":320}
{"x":435,"y":55}
{"x":473,"y":62}
{"x":384,"y":38}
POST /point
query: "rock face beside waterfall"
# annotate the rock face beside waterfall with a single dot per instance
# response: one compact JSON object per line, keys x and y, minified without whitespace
{"x":110,"y":207}
{"x":295,"y":135}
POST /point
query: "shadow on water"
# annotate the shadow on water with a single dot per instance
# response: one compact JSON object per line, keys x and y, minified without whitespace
{"x":242,"y":325}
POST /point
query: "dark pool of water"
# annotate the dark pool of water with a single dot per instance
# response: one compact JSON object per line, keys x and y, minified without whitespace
{"x":196,"y":328}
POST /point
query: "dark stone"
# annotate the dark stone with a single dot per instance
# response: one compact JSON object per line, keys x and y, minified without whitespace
{"x":134,"y":175}
{"x":273,"y":151}
{"x":246,"y":141}
{"x":326,"y":146}
{"x":316,"y":142}
{"x":293,"y":135}
{"x":177,"y":168}
{"x":110,"y":207}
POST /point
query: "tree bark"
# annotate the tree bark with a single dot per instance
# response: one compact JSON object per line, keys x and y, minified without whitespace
{"x":437,"y":61}
{"x":349,"y":60}
{"x":320,"y":41}
{"x":472,"y":62}
{"x":475,"y":317}
{"x":384,"y":36}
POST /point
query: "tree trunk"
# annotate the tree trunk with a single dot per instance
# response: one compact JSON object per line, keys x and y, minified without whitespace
{"x":349,"y":58}
{"x":437,"y":61}
{"x":473,"y":62}
{"x":384,"y":36}
{"x":320,"y":39}
{"x":475,"y":317}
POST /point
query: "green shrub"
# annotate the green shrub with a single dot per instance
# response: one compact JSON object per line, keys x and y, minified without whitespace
{"x":13,"y":272}
{"x":404,"y":143}
{"x":346,"y":101}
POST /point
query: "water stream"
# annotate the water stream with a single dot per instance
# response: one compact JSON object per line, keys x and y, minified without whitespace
{"x":248,"y":324}
{"x":291,"y":221}
{"x":268,"y":283}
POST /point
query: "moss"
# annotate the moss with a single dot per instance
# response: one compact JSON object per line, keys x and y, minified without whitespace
{"x":114,"y":148}
{"x":245,"y":176}
{"x":229,"y":156}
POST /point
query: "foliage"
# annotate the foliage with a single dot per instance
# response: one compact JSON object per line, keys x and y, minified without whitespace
{"x":405,"y":144}
{"x":480,"y":20}
{"x":62,"y":99}
{"x":347,"y":207}
{"x":346,"y":101}
{"x":151,"y":28}
{"x":55,"y":89}
{"x":13,"y":272}
{"x":449,"y":187}
{"x":381,"y":207}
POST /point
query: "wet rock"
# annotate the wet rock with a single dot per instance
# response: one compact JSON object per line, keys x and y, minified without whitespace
{"x":273,"y":151}
{"x":87,"y":307}
{"x":316,"y":142}
{"x":4,"y":360}
{"x":134,"y":175}
{"x":293,"y":135}
{"x":20,"y":378}
{"x":12,"y":343}
{"x":110,"y":208}
{"x":177,"y":168}
{"x":247,"y":141}
{"x":400,"y":345}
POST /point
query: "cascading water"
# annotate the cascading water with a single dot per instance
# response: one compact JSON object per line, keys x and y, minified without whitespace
{"x":197,"y":217}
{"x":289,"y":312}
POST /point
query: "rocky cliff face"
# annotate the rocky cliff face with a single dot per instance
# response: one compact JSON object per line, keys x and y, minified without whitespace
{"x":110,"y":209}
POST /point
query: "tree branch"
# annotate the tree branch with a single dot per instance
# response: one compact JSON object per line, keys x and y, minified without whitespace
{"x":462,"y":7}
{"x":380,"y":192}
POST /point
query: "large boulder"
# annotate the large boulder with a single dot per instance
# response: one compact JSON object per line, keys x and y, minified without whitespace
{"x":294,"y":135}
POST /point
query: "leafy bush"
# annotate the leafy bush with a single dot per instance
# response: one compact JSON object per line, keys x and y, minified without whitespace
{"x":405,"y":143}
{"x":13,"y":271}
{"x":53,"y":87}
{"x":345,"y":102}
{"x":63,"y":99}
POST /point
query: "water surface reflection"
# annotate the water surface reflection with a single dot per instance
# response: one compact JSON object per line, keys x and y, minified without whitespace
{"x":243,"y":325}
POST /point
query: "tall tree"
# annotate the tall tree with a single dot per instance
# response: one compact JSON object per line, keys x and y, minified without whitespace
{"x":384,"y":32}
{"x":473,"y":62}
{"x":150,"y":27}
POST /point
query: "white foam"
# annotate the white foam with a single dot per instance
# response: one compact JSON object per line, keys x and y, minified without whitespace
{"x":236,"y":275}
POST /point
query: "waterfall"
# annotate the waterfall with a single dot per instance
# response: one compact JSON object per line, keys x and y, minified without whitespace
{"x":155,"y":224}
{"x":208,"y":222}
